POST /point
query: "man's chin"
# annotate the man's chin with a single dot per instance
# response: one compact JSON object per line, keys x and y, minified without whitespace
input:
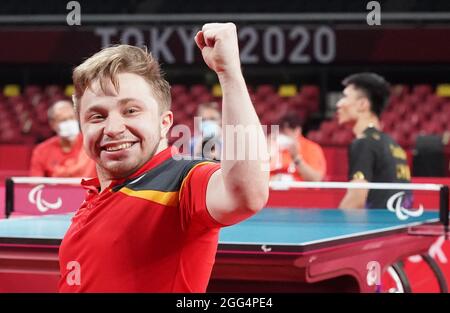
{"x":118,"y":171}
{"x":342,"y":121}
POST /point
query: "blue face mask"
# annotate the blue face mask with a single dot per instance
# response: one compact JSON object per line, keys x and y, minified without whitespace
{"x":210,"y":128}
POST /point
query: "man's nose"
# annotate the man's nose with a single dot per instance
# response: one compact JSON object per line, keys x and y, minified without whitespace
{"x":115,"y":125}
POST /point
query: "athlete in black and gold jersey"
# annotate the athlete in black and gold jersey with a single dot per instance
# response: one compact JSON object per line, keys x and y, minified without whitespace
{"x":373,"y":155}
{"x":376,"y":157}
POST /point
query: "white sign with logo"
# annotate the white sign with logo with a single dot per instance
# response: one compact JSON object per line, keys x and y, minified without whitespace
{"x":35,"y":197}
{"x":395,"y":204}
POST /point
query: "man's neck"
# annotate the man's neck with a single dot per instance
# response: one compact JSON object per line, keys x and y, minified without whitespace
{"x":105,"y":179}
{"x":67,"y":144}
{"x":364,"y":122}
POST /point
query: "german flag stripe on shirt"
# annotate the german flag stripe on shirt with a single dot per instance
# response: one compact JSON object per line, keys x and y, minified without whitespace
{"x":163,"y":183}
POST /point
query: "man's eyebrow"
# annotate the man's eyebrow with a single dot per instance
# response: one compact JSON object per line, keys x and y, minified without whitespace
{"x":95,"y":108}
{"x":126,"y":100}
{"x":121,"y":102}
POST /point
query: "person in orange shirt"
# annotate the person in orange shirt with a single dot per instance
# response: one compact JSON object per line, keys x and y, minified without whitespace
{"x":294,"y":157}
{"x":62,"y":155}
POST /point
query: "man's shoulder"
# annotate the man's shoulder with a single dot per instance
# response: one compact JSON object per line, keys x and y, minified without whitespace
{"x":377,"y":139}
{"x":167,"y":176}
{"x":365,"y":142}
{"x":50,"y":142}
{"x":311,"y":144}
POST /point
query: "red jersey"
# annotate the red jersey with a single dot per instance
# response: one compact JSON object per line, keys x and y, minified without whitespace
{"x":49,"y":160}
{"x":149,"y":233}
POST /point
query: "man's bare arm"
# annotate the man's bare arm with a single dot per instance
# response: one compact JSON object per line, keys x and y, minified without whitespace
{"x":355,"y":198}
{"x":241,"y":187}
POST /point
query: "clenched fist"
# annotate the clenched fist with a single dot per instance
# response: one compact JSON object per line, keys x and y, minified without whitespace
{"x":219,"y":45}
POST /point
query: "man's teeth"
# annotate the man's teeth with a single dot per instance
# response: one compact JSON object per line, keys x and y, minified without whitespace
{"x":119,"y":147}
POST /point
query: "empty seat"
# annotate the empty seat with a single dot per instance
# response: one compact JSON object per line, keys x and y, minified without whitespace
{"x":316,"y":136}
{"x":311,"y":92}
{"x":216,"y":91}
{"x":328,"y":127}
{"x":443,"y":90}
{"x":429,"y":158}
{"x":69,"y":91}
{"x":342,"y":137}
{"x":422,"y":90}
{"x":264,"y":90}
{"x":32,"y":90}
{"x":203,"y":98}
{"x":11,"y":90}
{"x":288,"y":90}
{"x":178,"y":89}
{"x":52,"y":90}
{"x":198,"y":89}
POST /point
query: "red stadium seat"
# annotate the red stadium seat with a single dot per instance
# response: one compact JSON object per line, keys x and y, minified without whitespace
{"x":432,"y":129}
{"x":198,"y":89}
{"x":265,"y":90}
{"x":177,"y":90}
{"x":399,"y":137}
{"x":311,"y":92}
{"x":190,"y":108}
{"x":439,"y":118}
{"x":261,"y":108}
{"x":203,"y":98}
{"x":316,"y":136}
{"x":52,"y":90}
{"x":401,"y":108}
{"x":422,"y":91}
{"x":416,"y":119}
{"x":399,"y":91}
{"x":182,"y":98}
{"x":32,"y":90}
{"x":342,"y":137}
{"x":328,"y":127}
{"x":271,"y":99}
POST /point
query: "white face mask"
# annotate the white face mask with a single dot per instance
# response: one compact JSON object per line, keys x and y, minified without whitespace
{"x":68,"y":129}
{"x":283,"y":141}
{"x":210,"y":129}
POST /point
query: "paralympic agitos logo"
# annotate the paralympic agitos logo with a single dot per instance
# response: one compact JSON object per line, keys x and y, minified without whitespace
{"x":35,"y":197}
{"x":395,"y":204}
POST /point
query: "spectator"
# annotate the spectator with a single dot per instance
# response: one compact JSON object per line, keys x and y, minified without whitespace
{"x":62,"y":155}
{"x":208,"y":141}
{"x":294,"y":157}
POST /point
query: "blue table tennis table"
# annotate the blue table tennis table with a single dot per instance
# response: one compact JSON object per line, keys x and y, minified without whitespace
{"x":277,"y":250}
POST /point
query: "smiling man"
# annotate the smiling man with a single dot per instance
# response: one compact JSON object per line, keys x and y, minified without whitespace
{"x":373,"y":156}
{"x":150,"y":222}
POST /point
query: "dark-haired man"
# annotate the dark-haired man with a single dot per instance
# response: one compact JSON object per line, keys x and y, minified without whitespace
{"x":298,"y":158}
{"x":373,"y":155}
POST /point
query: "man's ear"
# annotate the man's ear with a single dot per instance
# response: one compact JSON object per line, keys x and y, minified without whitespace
{"x":166,"y":121}
{"x":364,"y":105}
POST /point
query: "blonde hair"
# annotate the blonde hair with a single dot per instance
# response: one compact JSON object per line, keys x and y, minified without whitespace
{"x":106,"y":64}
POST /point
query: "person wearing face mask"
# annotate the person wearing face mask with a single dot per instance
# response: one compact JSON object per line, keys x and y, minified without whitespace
{"x":62,"y":155}
{"x":294,"y":157}
{"x":207,"y":143}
